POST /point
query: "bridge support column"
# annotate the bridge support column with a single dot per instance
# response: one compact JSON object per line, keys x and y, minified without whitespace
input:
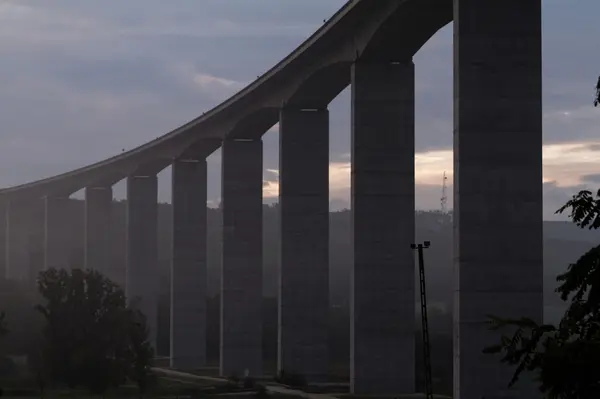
{"x":141,"y":281}
{"x":383,"y":212}
{"x":57,"y":239}
{"x":498,"y":185}
{"x":19,"y":220}
{"x":34,"y":224}
{"x":304,"y":229}
{"x":4,"y":239}
{"x":242,"y":275}
{"x":97,"y":248}
{"x":189,"y":267}
{"x":13,"y":239}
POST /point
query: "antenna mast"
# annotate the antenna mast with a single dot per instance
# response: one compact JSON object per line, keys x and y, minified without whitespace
{"x":444,"y":199}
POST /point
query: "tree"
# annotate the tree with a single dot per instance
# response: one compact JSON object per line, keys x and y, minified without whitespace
{"x":141,"y":354}
{"x":37,"y":363}
{"x":17,"y":304}
{"x":565,"y":358}
{"x":89,"y":338}
{"x":597,"y":96}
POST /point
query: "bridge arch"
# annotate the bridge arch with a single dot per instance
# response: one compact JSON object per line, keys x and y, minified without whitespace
{"x":407,"y":29}
{"x":254,"y":125}
{"x":319,"y":89}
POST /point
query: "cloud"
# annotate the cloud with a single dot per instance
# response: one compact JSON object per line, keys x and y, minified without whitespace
{"x":566,"y":170}
{"x":216,"y":87}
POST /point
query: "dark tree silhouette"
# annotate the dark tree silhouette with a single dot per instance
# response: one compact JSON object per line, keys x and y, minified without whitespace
{"x":91,"y":338}
{"x":141,"y":354}
{"x":565,"y":358}
{"x":597,"y":96}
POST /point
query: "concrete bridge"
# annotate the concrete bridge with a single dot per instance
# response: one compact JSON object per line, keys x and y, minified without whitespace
{"x":368,"y":44}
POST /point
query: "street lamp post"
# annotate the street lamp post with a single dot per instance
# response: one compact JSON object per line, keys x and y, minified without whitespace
{"x":424,"y":322}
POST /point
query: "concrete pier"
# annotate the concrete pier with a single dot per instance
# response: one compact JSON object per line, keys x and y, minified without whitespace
{"x":189,"y":263}
{"x":242,"y":275}
{"x":56,"y":236}
{"x":383,"y":194}
{"x":97,"y":248}
{"x":18,"y":221}
{"x":33,"y":224}
{"x":498,"y":185}
{"x":4,"y":210}
{"x":142,"y":247}
{"x":12,"y":238}
{"x":304,"y":229}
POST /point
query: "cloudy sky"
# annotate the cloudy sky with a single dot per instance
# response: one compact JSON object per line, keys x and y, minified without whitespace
{"x":80,"y":80}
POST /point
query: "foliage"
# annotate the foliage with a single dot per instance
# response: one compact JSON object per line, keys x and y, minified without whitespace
{"x":597,"y":96}
{"x":141,"y":354}
{"x":90,"y":337}
{"x":566,"y":358}
{"x":18,"y":301}
{"x":38,"y":363}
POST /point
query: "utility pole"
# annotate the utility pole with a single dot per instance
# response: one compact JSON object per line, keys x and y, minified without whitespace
{"x":424,"y":322}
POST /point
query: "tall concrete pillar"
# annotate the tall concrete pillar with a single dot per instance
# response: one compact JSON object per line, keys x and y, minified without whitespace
{"x":16,"y":231}
{"x":383,"y":205}
{"x":498,"y":185}
{"x":34,"y":224}
{"x":56,"y":236}
{"x":9,"y":252}
{"x":141,"y":280}
{"x":304,"y":229}
{"x":4,"y":236}
{"x":97,"y":248}
{"x":189,"y":263}
{"x":242,"y":275}
{"x":24,"y":235}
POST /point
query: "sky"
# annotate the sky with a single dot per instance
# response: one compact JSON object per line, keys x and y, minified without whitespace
{"x":82,"y":80}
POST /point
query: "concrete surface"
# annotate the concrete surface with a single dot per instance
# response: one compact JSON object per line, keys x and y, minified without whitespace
{"x":304,"y":255}
{"x":188,"y":267}
{"x":498,"y":185}
{"x":57,"y":243}
{"x":141,"y":282}
{"x":382,"y":313}
{"x":242,"y":269}
{"x":97,"y":248}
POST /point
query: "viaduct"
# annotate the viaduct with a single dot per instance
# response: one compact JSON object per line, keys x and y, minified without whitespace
{"x":369,"y":45}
